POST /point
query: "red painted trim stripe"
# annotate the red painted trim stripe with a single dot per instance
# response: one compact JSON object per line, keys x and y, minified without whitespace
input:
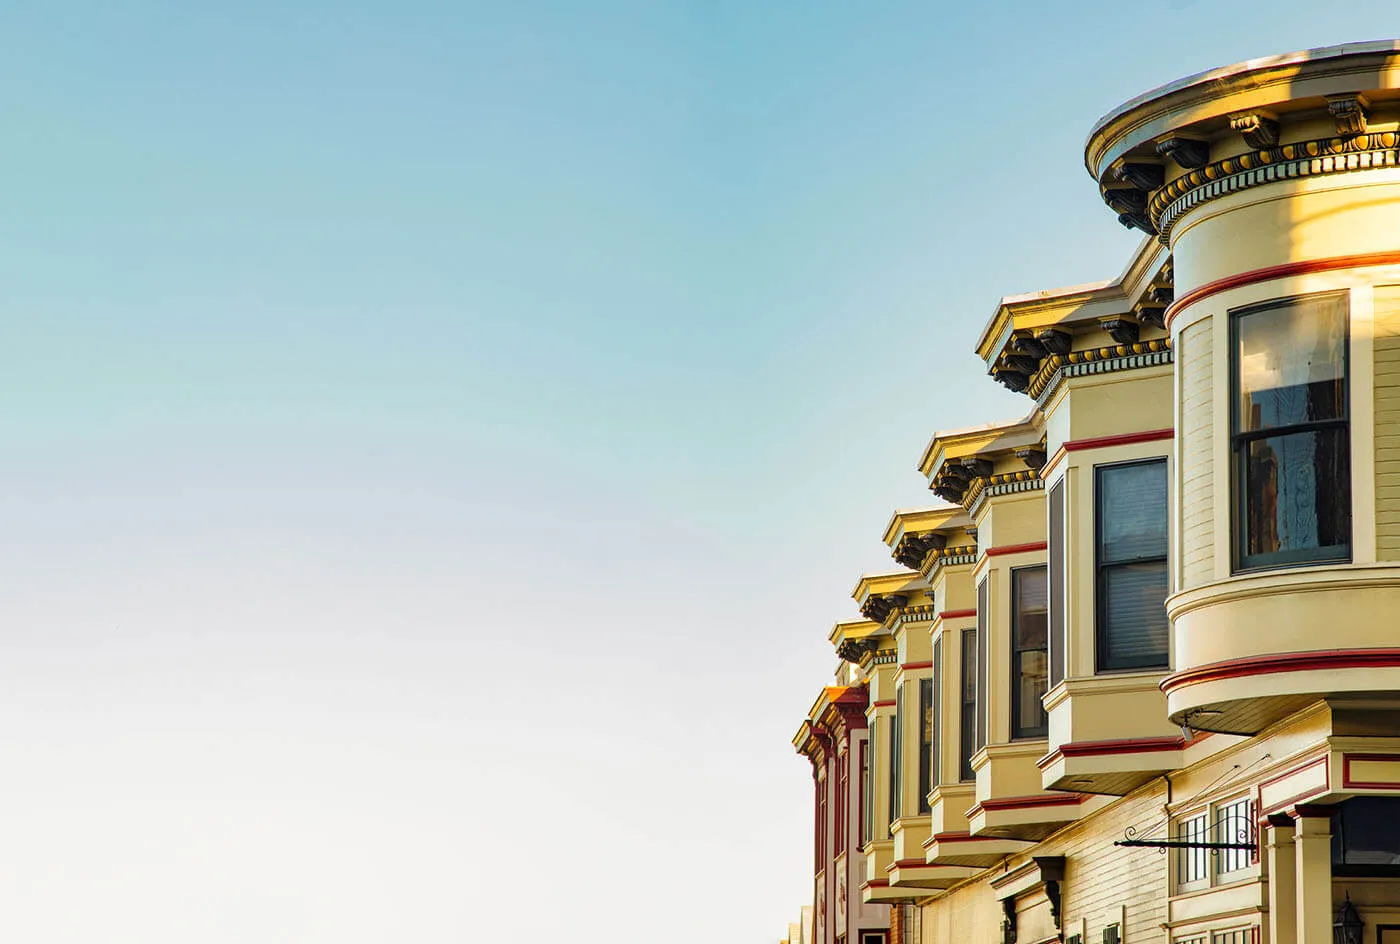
{"x":882,"y":704}
{"x":1121,"y":746}
{"x":1015,"y":549}
{"x":956,"y":614}
{"x":994,"y":804}
{"x":907,"y":864}
{"x":875,"y":883}
{"x":914,"y":666}
{"x":1288,"y":269}
{"x":963,"y":837}
{"x":1279,"y":663}
{"x":1123,"y":439}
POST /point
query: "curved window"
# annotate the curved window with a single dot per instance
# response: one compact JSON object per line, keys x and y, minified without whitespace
{"x":1290,"y":442}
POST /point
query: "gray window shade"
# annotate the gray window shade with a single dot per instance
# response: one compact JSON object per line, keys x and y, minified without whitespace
{"x":1131,"y":557}
{"x":1056,"y":590}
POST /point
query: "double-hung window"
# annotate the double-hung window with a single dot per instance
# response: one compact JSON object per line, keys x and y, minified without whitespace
{"x":1029,"y":616}
{"x":1131,"y":527}
{"x":1290,"y":442}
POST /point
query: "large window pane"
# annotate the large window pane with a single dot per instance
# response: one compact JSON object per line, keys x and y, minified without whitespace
{"x":1292,"y":455}
{"x":1292,"y":363}
{"x":1133,"y":579}
{"x":1133,"y":512}
{"x":1297,"y":497}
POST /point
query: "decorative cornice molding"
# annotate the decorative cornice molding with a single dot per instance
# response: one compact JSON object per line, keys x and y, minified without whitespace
{"x":948,"y":556}
{"x":1103,"y":360}
{"x":1025,"y":481}
{"x":854,"y":650}
{"x":885,"y":657}
{"x":913,"y":549}
{"x":1352,"y":152}
{"x":914,"y":614}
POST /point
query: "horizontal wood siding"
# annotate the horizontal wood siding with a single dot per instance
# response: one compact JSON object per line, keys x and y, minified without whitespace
{"x":1195,"y":356}
{"x":1387,"y":429}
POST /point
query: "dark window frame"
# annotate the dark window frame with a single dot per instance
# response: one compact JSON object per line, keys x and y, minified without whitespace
{"x":1101,"y":666}
{"x":1055,"y":596}
{"x":1240,"y":561}
{"x":967,"y":715}
{"x":984,"y":662}
{"x":928,"y":734}
{"x":896,"y":794}
{"x":1043,"y":730}
{"x":935,"y":770}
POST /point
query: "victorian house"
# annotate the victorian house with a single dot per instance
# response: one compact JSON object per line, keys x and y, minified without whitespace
{"x":1134,"y":675}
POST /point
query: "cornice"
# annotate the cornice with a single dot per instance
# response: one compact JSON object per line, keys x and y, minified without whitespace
{"x":1115,"y":132}
{"x":1024,"y":481}
{"x":1321,"y":157}
{"x":948,"y":557}
{"x":1102,"y":360}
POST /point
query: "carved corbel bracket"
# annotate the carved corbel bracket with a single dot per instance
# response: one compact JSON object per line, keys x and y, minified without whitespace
{"x":1122,"y":330}
{"x":1349,"y":111}
{"x":1260,"y":131}
{"x":1190,"y":153}
{"x":1055,"y":341}
{"x":1142,"y":175}
{"x":1033,"y":457}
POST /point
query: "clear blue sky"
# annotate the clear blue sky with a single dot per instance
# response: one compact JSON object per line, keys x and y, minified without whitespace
{"x":437,"y":437}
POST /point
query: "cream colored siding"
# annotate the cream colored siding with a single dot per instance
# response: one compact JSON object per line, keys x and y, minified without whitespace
{"x":1100,"y":876}
{"x":1387,"y":422}
{"x":1195,"y":357}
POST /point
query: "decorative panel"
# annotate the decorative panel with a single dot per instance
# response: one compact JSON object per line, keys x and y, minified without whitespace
{"x":1195,"y":360}
{"x":1387,"y":429}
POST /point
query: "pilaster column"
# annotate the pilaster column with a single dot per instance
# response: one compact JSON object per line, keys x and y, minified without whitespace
{"x":1283,"y":880}
{"x":1312,"y":854}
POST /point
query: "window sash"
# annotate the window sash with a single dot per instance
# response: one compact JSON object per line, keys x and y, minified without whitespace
{"x":1028,"y":673}
{"x":1131,"y":633}
{"x":1325,"y":410}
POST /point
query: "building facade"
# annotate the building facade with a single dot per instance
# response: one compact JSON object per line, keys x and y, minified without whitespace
{"x":1136,"y":677}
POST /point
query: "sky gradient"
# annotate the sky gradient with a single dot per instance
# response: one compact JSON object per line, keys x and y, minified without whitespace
{"x":438,"y":437}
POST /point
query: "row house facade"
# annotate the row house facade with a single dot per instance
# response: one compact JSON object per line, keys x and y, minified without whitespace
{"x":1135,"y":675}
